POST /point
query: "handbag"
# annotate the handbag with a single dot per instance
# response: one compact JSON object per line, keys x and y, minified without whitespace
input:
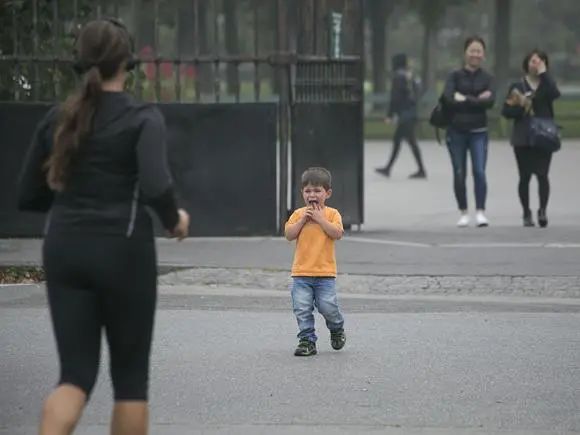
{"x":440,"y":118}
{"x":544,"y":134}
{"x":440,"y":115}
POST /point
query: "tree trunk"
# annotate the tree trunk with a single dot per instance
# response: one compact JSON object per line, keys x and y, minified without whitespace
{"x":274,"y":70}
{"x":205,"y":74}
{"x":232,"y":46}
{"x":186,"y":38}
{"x":502,"y":41}
{"x":428,"y":68}
{"x":378,"y":21}
{"x":305,"y":34}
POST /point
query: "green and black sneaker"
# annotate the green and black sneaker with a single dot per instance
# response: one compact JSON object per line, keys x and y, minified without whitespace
{"x":305,"y":348}
{"x":337,"y":339}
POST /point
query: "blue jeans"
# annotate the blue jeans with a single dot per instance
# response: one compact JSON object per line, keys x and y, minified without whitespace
{"x":458,"y":143}
{"x":308,"y":292}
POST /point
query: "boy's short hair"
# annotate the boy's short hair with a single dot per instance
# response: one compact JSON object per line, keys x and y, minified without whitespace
{"x":317,"y":176}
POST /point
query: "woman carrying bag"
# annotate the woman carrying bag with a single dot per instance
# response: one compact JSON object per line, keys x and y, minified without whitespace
{"x":534,"y":136}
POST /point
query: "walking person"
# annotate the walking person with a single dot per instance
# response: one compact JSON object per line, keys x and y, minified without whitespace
{"x":534,"y":94}
{"x":405,"y":90}
{"x":469,"y":93}
{"x":94,"y":163}
{"x":315,"y":227}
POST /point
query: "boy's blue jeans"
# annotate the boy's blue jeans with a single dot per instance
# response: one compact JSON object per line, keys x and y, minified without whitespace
{"x":308,"y":292}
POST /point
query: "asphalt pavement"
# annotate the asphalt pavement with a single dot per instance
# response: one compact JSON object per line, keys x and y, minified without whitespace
{"x":450,"y":331}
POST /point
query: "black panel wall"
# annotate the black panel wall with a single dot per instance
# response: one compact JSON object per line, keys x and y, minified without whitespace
{"x":17,"y":124}
{"x":222,"y":156}
{"x":330,"y":135}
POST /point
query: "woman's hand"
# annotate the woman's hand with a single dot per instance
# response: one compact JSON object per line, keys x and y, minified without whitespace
{"x":541,"y":67}
{"x":515,"y":98}
{"x":181,"y":230}
{"x":484,"y":95}
{"x":459,"y":97}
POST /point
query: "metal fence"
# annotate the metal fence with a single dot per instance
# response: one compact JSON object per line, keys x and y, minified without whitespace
{"x":198,"y":51}
{"x":189,"y":50}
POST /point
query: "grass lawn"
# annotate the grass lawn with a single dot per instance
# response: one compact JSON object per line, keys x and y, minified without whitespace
{"x":567,"y":108}
{"x":567,"y":115}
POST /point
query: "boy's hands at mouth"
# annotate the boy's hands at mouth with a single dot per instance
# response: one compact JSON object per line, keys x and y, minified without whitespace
{"x":316,"y":212}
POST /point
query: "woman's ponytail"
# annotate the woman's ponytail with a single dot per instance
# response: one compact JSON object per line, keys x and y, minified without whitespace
{"x":74,"y":123}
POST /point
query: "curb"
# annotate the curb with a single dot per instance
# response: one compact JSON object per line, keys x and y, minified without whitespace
{"x":521,"y":286}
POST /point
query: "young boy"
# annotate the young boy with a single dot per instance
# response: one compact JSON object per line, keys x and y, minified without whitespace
{"x":315,"y":228}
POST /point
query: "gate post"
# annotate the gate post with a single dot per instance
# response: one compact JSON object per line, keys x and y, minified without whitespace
{"x":326,"y":125}
{"x":283,"y":72}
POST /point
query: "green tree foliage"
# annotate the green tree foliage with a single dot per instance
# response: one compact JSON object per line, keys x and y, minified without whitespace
{"x":502,"y":40}
{"x":39,"y":29}
{"x":431,"y":14}
{"x":565,"y":11}
{"x":378,"y":12}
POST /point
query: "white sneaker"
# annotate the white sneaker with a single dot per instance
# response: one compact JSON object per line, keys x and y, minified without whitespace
{"x":463,"y":221}
{"x":481,"y":220}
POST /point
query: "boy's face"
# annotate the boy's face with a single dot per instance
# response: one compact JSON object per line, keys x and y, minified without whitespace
{"x":315,"y":195}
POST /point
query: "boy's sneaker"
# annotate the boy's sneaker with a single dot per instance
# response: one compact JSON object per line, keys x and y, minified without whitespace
{"x":305,"y":348}
{"x":337,"y":339}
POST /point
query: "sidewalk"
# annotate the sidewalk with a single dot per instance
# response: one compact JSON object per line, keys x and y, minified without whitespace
{"x":408,"y":243}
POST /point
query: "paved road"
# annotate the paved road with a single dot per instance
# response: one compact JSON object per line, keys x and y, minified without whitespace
{"x":409,"y":227}
{"x":471,"y":331}
{"x":368,"y":266}
{"x":222,"y":364}
{"x":399,"y":203}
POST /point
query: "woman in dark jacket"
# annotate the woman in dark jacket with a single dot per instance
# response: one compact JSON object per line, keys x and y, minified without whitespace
{"x":469,"y":93}
{"x":403,"y":108}
{"x":94,"y":163}
{"x":534,"y":93}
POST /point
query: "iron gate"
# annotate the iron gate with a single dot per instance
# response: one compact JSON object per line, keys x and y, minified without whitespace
{"x":302,"y":58}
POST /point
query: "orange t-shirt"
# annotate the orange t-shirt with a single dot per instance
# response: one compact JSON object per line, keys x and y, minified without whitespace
{"x":314,"y":255}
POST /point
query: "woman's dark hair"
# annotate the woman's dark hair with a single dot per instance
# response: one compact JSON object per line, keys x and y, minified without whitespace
{"x":102,"y":47}
{"x":399,"y":61}
{"x":470,"y":40}
{"x":535,"y":52}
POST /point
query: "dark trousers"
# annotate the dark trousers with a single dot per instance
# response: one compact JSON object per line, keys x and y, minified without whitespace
{"x":459,"y":143}
{"x":532,"y":161}
{"x":99,"y":284}
{"x":406,"y":130}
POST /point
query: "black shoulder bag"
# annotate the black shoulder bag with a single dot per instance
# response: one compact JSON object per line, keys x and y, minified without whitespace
{"x":440,"y":117}
{"x":543,"y":133}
